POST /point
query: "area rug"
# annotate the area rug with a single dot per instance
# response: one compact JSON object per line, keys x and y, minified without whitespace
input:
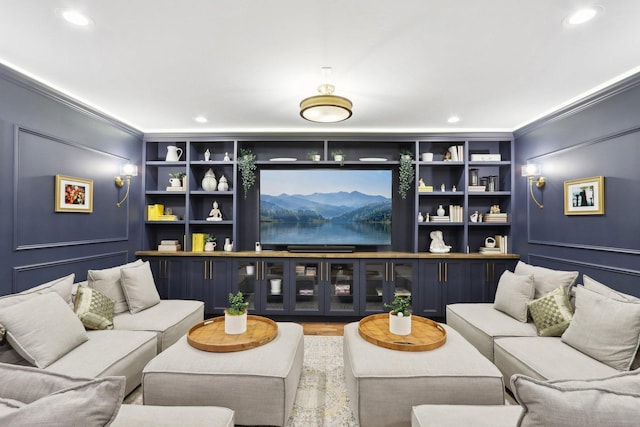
{"x":321,"y":398}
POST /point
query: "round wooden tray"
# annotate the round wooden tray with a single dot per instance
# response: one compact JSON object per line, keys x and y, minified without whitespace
{"x":425,"y":333}
{"x":209,"y":335}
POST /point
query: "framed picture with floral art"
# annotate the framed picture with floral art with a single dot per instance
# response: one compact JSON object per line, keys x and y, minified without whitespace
{"x":73,"y":194}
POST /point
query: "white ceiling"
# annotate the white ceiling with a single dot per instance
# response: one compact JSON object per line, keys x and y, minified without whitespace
{"x":407,"y":65}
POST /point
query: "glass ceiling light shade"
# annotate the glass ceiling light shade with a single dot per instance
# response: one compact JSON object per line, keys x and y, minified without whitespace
{"x":326,"y":107}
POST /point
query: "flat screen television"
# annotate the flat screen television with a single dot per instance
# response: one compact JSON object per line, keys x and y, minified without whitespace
{"x":318,"y":207}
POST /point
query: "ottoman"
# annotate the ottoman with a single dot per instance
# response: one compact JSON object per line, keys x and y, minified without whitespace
{"x":258,"y":384}
{"x":383,"y":385}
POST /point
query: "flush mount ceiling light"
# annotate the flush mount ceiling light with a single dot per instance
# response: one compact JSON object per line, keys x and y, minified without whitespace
{"x":453,"y":119}
{"x":582,"y":16}
{"x":75,"y":17}
{"x":326,"y":107}
{"x":200,"y":119}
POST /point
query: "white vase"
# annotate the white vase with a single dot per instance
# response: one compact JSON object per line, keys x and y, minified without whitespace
{"x":210,"y":246}
{"x":209,"y":182}
{"x":175,"y":182}
{"x":399,"y":325}
{"x":338,"y":158}
{"x":235,"y":324}
{"x":223,"y":185}
{"x":440,"y":211}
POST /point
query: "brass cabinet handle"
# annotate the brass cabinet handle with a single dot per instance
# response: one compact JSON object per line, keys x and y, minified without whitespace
{"x":439,"y":272}
{"x":493,"y":272}
{"x":393,"y":272}
{"x":211,"y":269}
{"x":386,"y":271}
{"x":205,"y":270}
{"x":446,"y":272}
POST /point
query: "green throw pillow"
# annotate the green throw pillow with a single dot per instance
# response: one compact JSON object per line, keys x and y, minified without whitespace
{"x":94,"y":308}
{"x":552,"y":313}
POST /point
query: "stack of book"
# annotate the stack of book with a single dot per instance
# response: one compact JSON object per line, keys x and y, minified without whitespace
{"x":486,"y":157}
{"x":495,"y":217}
{"x":475,"y":188}
{"x":455,"y":213}
{"x":502,"y":246}
{"x":444,"y":218}
{"x":197,"y":242}
{"x":169,"y":246}
{"x":457,"y":153}
{"x":425,"y":188}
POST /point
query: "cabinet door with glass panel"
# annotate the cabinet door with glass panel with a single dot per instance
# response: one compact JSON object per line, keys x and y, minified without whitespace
{"x":380,"y":281}
{"x":341,"y":293}
{"x":307,"y":292}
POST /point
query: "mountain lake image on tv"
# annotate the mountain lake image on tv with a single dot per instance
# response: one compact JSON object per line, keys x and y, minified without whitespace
{"x":325,"y":207}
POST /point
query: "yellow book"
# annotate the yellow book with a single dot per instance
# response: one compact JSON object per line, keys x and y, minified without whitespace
{"x":197,"y":242}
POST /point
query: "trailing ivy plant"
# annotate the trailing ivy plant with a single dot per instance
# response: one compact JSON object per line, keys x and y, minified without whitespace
{"x":400,"y":304}
{"x":247,"y":167}
{"x":237,"y":304}
{"x":407,"y":173}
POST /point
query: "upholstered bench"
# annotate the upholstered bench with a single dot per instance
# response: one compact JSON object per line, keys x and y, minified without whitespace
{"x":258,"y":384}
{"x":383,"y":385}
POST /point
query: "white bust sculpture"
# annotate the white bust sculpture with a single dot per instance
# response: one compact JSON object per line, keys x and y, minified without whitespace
{"x":215,"y":214}
{"x":437,"y":243}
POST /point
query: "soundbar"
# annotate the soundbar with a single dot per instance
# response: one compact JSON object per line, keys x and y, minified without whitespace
{"x":321,"y":248}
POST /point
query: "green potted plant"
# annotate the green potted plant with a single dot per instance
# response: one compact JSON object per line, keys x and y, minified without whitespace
{"x":338,"y":156}
{"x":209,"y":242}
{"x":247,"y":167}
{"x":175,"y":179}
{"x":399,"y":315}
{"x":406,"y":173}
{"x":235,"y":316}
{"x":313,"y":156}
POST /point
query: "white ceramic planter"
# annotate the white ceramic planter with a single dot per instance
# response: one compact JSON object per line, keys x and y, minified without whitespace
{"x":235,"y":324}
{"x":399,"y":325}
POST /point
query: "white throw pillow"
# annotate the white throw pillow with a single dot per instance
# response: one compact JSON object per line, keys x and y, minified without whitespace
{"x":513,"y":294}
{"x":43,"y":328}
{"x":546,"y":404}
{"x":107,"y":281}
{"x":139,"y":287}
{"x":602,"y":289}
{"x":605,"y":329}
{"x":546,"y":279}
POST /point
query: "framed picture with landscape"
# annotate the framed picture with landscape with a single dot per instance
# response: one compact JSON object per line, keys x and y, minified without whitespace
{"x":584,"y":196}
{"x":73,"y":194}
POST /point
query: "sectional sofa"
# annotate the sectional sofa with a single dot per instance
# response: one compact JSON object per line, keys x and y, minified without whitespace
{"x":110,"y":326}
{"x":561,"y":348}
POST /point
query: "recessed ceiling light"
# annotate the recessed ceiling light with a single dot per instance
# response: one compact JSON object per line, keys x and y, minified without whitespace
{"x":200,"y":119}
{"x":76,"y":17}
{"x":453,"y":119}
{"x":582,"y":16}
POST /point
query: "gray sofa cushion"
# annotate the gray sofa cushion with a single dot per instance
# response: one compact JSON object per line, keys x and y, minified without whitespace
{"x":480,"y":323}
{"x":602,"y":289}
{"x":139,"y":287}
{"x":107,"y":281}
{"x":170,"y":319}
{"x":94,"y":403}
{"x":624,"y":382}
{"x":171,"y":416}
{"x":605,"y":329}
{"x":513,"y":295}
{"x":545,"y":358}
{"x":560,"y":405}
{"x":465,"y":415}
{"x":51,"y":399}
{"x":546,"y":279}
{"x":42,"y":328}
{"x":110,"y":353}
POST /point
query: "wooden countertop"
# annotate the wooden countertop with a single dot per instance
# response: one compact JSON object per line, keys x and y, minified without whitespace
{"x":362,"y":255}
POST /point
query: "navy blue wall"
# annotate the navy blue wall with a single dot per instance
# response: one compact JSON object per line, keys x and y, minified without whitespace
{"x":44,"y":133}
{"x":599,"y":136}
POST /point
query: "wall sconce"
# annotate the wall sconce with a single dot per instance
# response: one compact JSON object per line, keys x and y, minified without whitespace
{"x":128,"y":170}
{"x":532,"y":170}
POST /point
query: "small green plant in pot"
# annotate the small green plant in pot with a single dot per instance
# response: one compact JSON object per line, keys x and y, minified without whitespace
{"x":175,"y":179}
{"x":406,"y":173}
{"x":235,"y":316}
{"x":314,"y":156}
{"x":338,"y":156}
{"x":209,"y":242}
{"x":399,"y":315}
{"x":247,"y":168}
